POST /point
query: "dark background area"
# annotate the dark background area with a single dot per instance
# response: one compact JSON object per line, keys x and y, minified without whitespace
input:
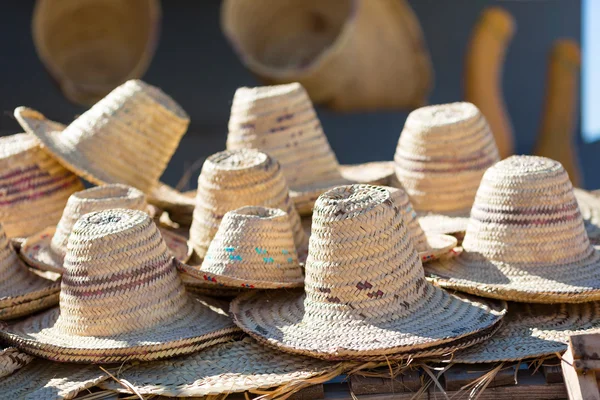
{"x":196,"y":66}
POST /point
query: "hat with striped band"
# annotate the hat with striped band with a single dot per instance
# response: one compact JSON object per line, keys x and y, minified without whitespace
{"x":34,"y":187}
{"x":121,"y":299}
{"x":526,"y":240}
{"x":365,"y":291}
{"x":442,"y":154}
{"x":46,"y":250}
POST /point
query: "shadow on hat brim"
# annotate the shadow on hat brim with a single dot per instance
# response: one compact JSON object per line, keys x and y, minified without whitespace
{"x":589,"y":206}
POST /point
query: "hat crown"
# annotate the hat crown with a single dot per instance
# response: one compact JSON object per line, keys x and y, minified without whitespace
{"x":525,"y":214}
{"x":409,"y":215}
{"x":118,"y":263}
{"x":361,"y":261}
{"x":8,"y":256}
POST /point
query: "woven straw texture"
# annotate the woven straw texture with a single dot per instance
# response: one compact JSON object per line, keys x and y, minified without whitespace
{"x":281,"y":121}
{"x":34,"y":188}
{"x":46,"y":250}
{"x":121,"y":298}
{"x":137,"y":126}
{"x":365,"y":290}
{"x":534,"y":330}
{"x":179,"y":206}
{"x":526,"y":239}
{"x":89,"y":47}
{"x":229,"y":368}
{"x":233,"y":179}
{"x":253,"y":248}
{"x":11,"y":359}
{"x":311,"y":41}
{"x":589,"y":206}
{"x":192,"y":285}
{"x":442,"y":154}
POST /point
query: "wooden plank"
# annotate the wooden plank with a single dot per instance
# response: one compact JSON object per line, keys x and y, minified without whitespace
{"x":586,"y":365}
{"x":585,"y":346}
{"x":309,"y":393}
{"x":553,"y":374}
{"x":580,"y":385}
{"x":462,"y":375}
{"x":410,"y":381}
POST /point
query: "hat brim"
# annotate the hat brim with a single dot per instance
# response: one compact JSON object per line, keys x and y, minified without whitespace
{"x":438,"y":245}
{"x":589,"y":206}
{"x":304,"y":197}
{"x":448,"y":224}
{"x":278,"y":319}
{"x":179,"y":205}
{"x":372,"y":173}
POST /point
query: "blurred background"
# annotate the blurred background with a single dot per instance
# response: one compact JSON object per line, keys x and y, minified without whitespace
{"x":197,"y":65}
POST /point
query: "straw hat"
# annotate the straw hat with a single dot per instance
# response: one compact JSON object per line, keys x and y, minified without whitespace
{"x":253,"y":248}
{"x":136,"y":126}
{"x":233,"y":179}
{"x":365,"y":291}
{"x":589,"y":206}
{"x":46,"y":250}
{"x":534,"y":330}
{"x":90,"y":47}
{"x":11,"y":359}
{"x":34,"y":188}
{"x":526,"y":239}
{"x":281,"y":121}
{"x":441,"y":156}
{"x":121,"y":299}
{"x":372,"y":173}
{"x":312,"y":42}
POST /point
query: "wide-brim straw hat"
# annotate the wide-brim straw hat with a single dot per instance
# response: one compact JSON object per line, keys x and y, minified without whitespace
{"x":311,"y":42}
{"x":589,"y":206}
{"x":90,"y":47}
{"x":526,"y":239}
{"x":137,"y":126}
{"x":365,"y":291}
{"x":253,"y":248}
{"x":441,"y":156}
{"x":46,"y":249}
{"x":121,"y":299}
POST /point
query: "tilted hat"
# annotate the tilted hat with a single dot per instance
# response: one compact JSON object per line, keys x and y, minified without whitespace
{"x":442,"y":154}
{"x":525,"y":240}
{"x":253,"y":248}
{"x":46,"y":250}
{"x":34,"y":187}
{"x":233,"y":179}
{"x":127,"y":137}
{"x":121,"y":299}
{"x":365,"y":291}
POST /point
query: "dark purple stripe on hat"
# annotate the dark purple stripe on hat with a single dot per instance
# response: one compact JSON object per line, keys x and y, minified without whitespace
{"x":528,"y":222}
{"x":24,"y":182}
{"x":18,"y":172}
{"x":71,"y":182}
{"x":477,"y":167}
{"x":528,"y":210}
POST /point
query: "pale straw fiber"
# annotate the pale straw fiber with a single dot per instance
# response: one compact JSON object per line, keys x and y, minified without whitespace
{"x":11,"y":359}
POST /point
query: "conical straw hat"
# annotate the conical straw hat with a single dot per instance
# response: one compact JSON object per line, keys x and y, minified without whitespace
{"x":253,"y":248}
{"x":127,"y":137}
{"x":34,"y":188}
{"x":121,"y":299}
{"x":442,"y":154}
{"x":534,"y":330}
{"x":233,"y":179}
{"x":11,"y":360}
{"x":46,"y":250}
{"x":526,"y":239}
{"x":89,"y":47}
{"x":313,"y":41}
{"x":281,"y":121}
{"x":365,"y":290}
{"x":21,"y":291}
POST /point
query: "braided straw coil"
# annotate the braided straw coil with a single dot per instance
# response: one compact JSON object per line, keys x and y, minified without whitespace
{"x":46,"y":250}
{"x":91,"y":46}
{"x":253,"y":248}
{"x":526,"y":240}
{"x":233,"y":179}
{"x":121,"y":299}
{"x":127,"y":137}
{"x":34,"y":188}
{"x":365,"y":291}
{"x":312,"y":41}
{"x":442,"y":154}
{"x":281,"y":121}
{"x":11,"y":359}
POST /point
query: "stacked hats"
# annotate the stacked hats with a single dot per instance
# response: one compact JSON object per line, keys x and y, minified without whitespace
{"x":442,"y":154}
{"x":365,"y":294}
{"x":233,"y":179}
{"x":33,"y":186}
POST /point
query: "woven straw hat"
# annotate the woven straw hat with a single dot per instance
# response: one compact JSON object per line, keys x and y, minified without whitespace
{"x":34,"y":188}
{"x":526,"y":239}
{"x":121,"y":299}
{"x":89,"y":47}
{"x":281,"y":121}
{"x":534,"y":330}
{"x":137,"y":126}
{"x":441,"y":156}
{"x":233,"y":179}
{"x":372,"y":173}
{"x":11,"y":359}
{"x":46,"y":250}
{"x":589,"y":206}
{"x":365,"y":291}
{"x":311,"y":41}
{"x":253,"y":248}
